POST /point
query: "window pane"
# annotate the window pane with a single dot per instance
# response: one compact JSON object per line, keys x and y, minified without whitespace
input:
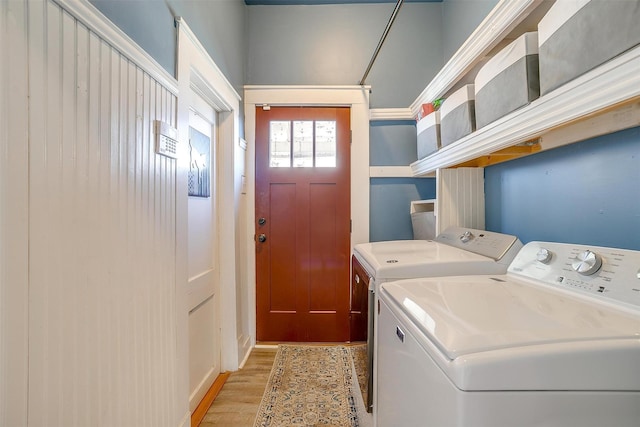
{"x":280,"y":144}
{"x":303,"y":144}
{"x":326,"y":144}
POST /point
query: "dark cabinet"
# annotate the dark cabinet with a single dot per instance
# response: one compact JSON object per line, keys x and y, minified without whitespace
{"x":359,"y":301}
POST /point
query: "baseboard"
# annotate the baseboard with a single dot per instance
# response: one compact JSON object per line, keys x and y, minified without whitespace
{"x":186,"y":420}
{"x":269,"y":346}
{"x":245,"y":348}
{"x":244,"y":360}
{"x":207,"y":400}
{"x":200,"y":392}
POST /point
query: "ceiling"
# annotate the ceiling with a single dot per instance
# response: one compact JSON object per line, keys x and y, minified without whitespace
{"x":312,"y":2}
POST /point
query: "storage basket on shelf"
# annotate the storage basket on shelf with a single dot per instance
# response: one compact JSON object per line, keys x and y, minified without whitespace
{"x":577,"y":36}
{"x":508,"y":81}
{"x":457,"y":115}
{"x":428,"y":129}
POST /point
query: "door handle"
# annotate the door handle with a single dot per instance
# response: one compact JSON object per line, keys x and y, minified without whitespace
{"x":262,"y":221}
{"x":262,"y":238}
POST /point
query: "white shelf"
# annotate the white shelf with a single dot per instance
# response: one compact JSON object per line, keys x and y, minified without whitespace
{"x":394,"y":172}
{"x":381,"y":114}
{"x":611,"y":84}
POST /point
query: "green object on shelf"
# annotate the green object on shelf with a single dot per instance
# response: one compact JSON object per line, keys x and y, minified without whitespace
{"x":436,"y":104}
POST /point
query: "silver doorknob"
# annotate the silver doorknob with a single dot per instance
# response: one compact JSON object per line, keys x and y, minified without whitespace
{"x":262,"y":221}
{"x":262,"y":238}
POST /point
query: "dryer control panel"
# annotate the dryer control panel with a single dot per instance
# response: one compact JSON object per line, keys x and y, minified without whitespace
{"x":485,"y":243}
{"x":608,"y":274}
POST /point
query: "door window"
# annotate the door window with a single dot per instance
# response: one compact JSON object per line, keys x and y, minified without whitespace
{"x":302,"y":143}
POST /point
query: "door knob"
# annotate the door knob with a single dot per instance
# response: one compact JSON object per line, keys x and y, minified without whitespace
{"x":262,"y":238}
{"x":262,"y":221}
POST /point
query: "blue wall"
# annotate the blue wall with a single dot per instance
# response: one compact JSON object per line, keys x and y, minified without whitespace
{"x":219,"y":25}
{"x":393,"y":196}
{"x":586,"y":193}
{"x":459,"y":19}
{"x":393,"y":143}
{"x":332,"y":45}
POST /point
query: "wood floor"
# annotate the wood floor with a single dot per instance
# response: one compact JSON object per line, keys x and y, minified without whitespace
{"x":238,"y":401}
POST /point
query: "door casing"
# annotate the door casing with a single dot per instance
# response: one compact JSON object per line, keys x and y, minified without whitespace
{"x":355,"y":97}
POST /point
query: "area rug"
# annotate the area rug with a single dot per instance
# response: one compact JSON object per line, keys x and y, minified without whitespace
{"x":311,"y":386}
{"x":360,"y":361}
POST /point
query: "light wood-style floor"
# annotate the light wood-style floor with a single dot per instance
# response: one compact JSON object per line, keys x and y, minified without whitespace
{"x":238,"y":401}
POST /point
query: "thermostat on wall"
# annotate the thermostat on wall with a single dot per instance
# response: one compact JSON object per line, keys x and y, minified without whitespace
{"x":166,"y":139}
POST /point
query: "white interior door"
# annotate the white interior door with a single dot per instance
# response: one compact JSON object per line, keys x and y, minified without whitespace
{"x":203,"y":284}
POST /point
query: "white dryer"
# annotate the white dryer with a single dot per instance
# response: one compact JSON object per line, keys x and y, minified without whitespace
{"x":553,"y":342}
{"x":456,"y":251}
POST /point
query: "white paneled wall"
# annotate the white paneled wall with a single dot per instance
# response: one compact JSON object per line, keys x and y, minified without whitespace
{"x":14,"y":193}
{"x":102,"y":315}
{"x":460,"y":198}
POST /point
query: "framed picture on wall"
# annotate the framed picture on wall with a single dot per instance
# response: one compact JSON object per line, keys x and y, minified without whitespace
{"x":199,"y":164}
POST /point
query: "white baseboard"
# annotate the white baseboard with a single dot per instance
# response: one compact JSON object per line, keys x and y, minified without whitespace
{"x":245,"y":348}
{"x":202,"y":389}
{"x":186,"y":420}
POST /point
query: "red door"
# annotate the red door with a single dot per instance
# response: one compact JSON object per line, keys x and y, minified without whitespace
{"x":302,"y":223}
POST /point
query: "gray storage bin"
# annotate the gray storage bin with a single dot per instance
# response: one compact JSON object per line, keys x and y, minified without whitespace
{"x":508,"y":81}
{"x":457,"y":115}
{"x":428,"y":129}
{"x":577,"y":36}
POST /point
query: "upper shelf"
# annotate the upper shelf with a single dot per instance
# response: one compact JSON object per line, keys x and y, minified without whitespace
{"x":507,"y":20}
{"x":587,"y":106}
{"x":613,"y":84}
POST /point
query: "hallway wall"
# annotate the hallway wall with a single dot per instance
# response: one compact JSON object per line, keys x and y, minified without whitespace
{"x":14,"y":215}
{"x":219,"y":25}
{"x":91,"y":223}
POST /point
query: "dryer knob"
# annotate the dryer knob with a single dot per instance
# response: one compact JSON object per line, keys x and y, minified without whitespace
{"x":466,"y":236}
{"x":544,"y":256}
{"x":587,"y":263}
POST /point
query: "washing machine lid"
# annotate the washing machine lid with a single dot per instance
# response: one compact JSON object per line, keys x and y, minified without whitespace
{"x":502,"y":333}
{"x":404,"y":259}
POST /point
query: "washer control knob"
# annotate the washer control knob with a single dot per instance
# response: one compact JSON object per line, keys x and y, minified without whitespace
{"x":466,"y":236}
{"x":544,"y":256}
{"x":587,"y":263}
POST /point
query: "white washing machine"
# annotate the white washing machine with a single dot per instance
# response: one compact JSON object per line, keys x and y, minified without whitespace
{"x":456,"y":251}
{"x":553,"y":342}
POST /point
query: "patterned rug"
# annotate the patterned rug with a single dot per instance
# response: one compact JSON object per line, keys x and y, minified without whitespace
{"x":359,"y":356}
{"x":311,"y":386}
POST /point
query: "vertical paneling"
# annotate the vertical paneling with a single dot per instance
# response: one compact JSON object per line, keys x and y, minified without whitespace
{"x":102,"y":331}
{"x":13,"y":214}
{"x":460,"y":198}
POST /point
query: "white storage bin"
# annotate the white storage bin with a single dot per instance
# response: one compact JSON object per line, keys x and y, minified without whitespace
{"x":457,"y":115}
{"x":508,"y":81}
{"x":428,"y":129}
{"x":576,"y":36}
{"x":423,"y":219}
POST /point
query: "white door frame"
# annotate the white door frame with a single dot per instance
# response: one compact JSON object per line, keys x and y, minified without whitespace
{"x":204,"y":281}
{"x":198,"y":72}
{"x":355,"y":97}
